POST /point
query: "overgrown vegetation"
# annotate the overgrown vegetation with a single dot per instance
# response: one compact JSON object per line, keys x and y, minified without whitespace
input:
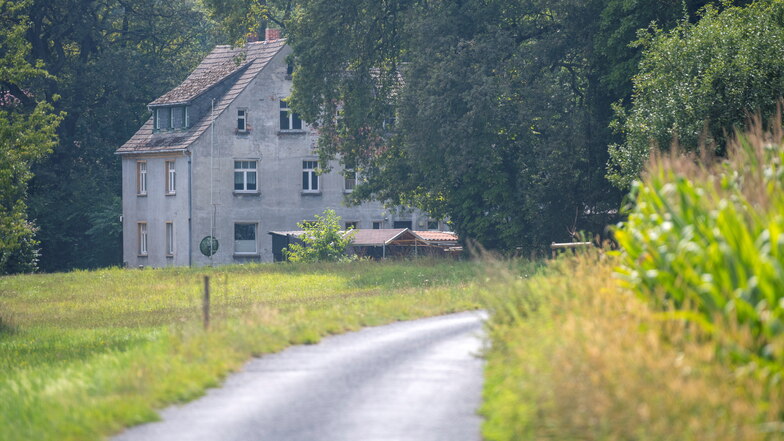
{"x":324,"y":240}
{"x":679,"y":335}
{"x":84,"y":354}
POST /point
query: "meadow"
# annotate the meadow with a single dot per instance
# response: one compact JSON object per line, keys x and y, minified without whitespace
{"x":86,"y":353}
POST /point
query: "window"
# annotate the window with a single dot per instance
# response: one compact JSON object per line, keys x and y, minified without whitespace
{"x":402,"y":224}
{"x":141,"y":178}
{"x":142,"y":238}
{"x":353,"y":225}
{"x":432,"y":225}
{"x":171,"y":178}
{"x":349,"y":180}
{"x":167,"y":118}
{"x":245,"y":176}
{"x":310,"y":180}
{"x":245,"y":238}
{"x":169,"y":238}
{"x":288,"y":119}
{"x":289,"y":69}
{"x":377,"y":225}
{"x":242,"y":120}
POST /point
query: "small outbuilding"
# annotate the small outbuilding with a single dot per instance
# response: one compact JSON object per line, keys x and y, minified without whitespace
{"x":380,"y":243}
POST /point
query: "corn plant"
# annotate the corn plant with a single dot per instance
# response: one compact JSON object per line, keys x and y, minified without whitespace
{"x":705,"y":241}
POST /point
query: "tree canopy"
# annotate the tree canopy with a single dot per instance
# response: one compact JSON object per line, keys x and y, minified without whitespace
{"x":700,"y":81}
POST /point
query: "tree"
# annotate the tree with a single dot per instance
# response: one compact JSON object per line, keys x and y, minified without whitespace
{"x":27,"y":134}
{"x":699,"y":82}
{"x":323,"y":240}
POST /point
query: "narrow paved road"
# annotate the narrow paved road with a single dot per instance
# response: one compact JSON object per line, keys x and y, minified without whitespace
{"x":408,"y":381}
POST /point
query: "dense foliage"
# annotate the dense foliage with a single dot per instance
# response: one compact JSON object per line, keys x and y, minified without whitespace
{"x":700,"y":81}
{"x":323,"y":241}
{"x":493,"y":114}
{"x":27,"y":134}
{"x":711,"y":237}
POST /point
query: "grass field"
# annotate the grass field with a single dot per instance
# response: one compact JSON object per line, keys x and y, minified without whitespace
{"x":84,"y":354}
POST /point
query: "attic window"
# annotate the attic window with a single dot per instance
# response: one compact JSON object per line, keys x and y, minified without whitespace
{"x":242,"y":120}
{"x":167,"y":118}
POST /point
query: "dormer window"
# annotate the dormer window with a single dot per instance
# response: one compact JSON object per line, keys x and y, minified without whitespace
{"x":168,"y":118}
{"x":288,"y":119}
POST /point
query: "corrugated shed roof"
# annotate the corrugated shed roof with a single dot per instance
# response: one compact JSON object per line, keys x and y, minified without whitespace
{"x":217,"y":67}
{"x":368,"y":237}
{"x":438,"y":236}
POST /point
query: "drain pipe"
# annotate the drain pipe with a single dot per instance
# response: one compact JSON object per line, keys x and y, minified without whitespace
{"x":190,"y":207}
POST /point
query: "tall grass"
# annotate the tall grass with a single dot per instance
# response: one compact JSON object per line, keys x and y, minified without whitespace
{"x":575,"y":356}
{"x":84,"y":354}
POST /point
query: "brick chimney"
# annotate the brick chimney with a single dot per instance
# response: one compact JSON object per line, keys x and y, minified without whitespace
{"x":271,"y":34}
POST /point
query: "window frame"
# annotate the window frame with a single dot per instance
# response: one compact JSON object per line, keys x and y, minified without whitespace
{"x":255,"y":251}
{"x":244,"y":119}
{"x":346,"y":180}
{"x":142,"y":239}
{"x":245,"y":172}
{"x":170,"y":238}
{"x":380,"y":224}
{"x":290,"y":118}
{"x":310,"y":167}
{"x":351,"y":224}
{"x":141,"y":178}
{"x":170,"y":176}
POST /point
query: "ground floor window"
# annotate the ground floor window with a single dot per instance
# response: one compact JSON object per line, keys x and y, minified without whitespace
{"x":169,"y":238}
{"x":377,"y":225}
{"x":402,"y":224}
{"x":245,"y":238}
{"x":142,"y":226}
{"x":352,"y":225}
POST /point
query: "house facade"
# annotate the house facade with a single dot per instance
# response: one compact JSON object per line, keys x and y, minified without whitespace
{"x":222,"y":156}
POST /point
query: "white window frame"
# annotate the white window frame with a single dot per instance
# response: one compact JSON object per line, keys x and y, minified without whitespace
{"x":244,"y":119}
{"x":170,"y":176}
{"x":245,"y":172}
{"x":143,"y":238}
{"x":284,"y":107}
{"x":255,"y":240}
{"x":310,"y":176}
{"x":380,"y":224}
{"x":141,"y":178}
{"x":170,"y":242}
{"x":346,"y":187}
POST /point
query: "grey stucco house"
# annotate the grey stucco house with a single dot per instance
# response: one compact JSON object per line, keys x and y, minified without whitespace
{"x":222,"y":156}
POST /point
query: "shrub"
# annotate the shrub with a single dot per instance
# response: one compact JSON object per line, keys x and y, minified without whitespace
{"x":323,"y":240}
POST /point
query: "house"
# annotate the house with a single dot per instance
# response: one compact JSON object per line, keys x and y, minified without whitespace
{"x":222,"y":156}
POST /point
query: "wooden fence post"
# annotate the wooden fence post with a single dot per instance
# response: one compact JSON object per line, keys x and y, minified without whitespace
{"x":206,"y":302}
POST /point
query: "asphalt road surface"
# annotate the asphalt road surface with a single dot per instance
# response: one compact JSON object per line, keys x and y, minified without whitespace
{"x":408,"y":381}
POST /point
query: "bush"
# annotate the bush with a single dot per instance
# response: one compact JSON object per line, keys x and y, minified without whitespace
{"x":709,"y":239}
{"x":323,"y":240}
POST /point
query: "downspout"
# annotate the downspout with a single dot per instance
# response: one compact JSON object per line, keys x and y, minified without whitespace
{"x":190,"y":208}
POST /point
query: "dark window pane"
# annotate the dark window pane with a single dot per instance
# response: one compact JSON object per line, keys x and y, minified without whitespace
{"x":239,"y":181}
{"x":283,"y":105}
{"x":402,"y":224}
{"x":284,"y":120}
{"x":251,"y":180}
{"x":244,"y":231}
{"x":240,"y":123}
{"x":305,"y":185}
{"x":314,"y":178}
{"x":296,"y":123}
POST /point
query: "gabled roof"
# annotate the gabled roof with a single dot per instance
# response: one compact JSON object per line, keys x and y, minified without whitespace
{"x":224,"y":63}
